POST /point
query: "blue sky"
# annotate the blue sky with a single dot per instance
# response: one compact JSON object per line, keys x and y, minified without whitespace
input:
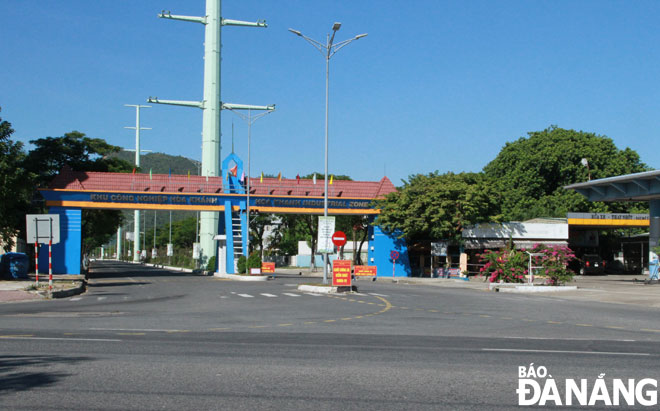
{"x":436,"y":85}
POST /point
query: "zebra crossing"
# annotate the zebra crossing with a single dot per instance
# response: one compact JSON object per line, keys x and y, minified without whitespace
{"x":285,"y":295}
{"x":268,"y":295}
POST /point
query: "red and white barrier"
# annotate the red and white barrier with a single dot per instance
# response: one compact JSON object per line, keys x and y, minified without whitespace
{"x":50,"y":265}
{"x":36,"y":262}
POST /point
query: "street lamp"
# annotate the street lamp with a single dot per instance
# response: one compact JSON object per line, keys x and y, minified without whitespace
{"x":327,"y":50}
{"x":250,"y":119}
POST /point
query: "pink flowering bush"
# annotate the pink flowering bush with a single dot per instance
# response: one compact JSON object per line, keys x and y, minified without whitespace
{"x":511,"y":265}
{"x":554,"y":262}
{"x":508,"y":265}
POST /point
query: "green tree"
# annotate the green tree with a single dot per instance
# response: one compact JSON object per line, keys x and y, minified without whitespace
{"x":258,"y":224}
{"x":356,"y":228}
{"x":80,"y":153}
{"x":438,"y":206}
{"x":15,"y":186}
{"x":530,"y":173}
{"x":183,"y":233}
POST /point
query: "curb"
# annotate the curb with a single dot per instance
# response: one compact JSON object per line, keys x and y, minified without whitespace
{"x":324,"y":289}
{"x":532,"y":288}
{"x":317,"y":289}
{"x":69,"y":292}
{"x":237,"y":277}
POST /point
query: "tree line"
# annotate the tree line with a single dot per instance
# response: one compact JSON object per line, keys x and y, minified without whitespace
{"x":525,"y":180}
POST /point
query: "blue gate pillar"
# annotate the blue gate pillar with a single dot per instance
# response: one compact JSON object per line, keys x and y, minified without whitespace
{"x":67,"y":253}
{"x":229,"y":230}
{"x":381,"y":245}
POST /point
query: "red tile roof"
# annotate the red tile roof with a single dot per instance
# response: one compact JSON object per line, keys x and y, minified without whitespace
{"x":68,"y":179}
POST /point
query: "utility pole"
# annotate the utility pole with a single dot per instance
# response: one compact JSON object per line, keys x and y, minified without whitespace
{"x":211,"y":106}
{"x":137,"y":128}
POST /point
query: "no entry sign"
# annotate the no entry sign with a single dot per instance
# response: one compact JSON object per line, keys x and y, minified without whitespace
{"x":339,"y":238}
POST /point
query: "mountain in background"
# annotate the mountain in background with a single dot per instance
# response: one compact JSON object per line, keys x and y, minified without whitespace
{"x":158,"y":163}
{"x":161,"y":163}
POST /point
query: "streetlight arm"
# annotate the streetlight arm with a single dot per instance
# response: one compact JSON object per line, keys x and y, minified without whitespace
{"x":338,"y":46}
{"x":322,"y":48}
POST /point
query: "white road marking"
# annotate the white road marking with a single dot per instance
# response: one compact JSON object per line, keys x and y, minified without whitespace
{"x":60,"y":339}
{"x":101,"y":298}
{"x":268,"y":295}
{"x":566,"y":352}
{"x":75,"y":299}
{"x":378,"y":295}
{"x":315,"y":295}
{"x":245,"y":295}
{"x":135,"y":329}
{"x":291,"y":294}
{"x":291,"y":285}
{"x":223,"y":296}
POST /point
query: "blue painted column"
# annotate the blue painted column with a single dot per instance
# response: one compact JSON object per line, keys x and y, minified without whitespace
{"x":381,"y":245}
{"x":229,"y":231}
{"x":244,"y":228}
{"x":67,"y":253}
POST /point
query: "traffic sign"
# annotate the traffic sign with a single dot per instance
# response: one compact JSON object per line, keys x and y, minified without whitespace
{"x":339,"y":238}
{"x":394,"y":255}
{"x":42,"y":228}
{"x":341,"y":273}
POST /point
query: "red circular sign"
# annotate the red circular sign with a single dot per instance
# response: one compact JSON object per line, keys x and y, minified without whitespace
{"x":394,"y":255}
{"x":339,"y":238}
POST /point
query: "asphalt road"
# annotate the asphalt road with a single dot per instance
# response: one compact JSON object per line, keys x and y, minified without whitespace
{"x":142,"y":338}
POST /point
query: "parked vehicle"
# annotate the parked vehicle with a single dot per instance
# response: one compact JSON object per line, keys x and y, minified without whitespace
{"x":592,"y":264}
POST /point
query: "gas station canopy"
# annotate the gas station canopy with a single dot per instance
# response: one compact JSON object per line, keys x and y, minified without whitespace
{"x":631,"y":187}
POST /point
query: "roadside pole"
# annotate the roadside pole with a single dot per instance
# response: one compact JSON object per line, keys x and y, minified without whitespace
{"x":36,"y":262}
{"x":394,"y":255}
{"x":50,"y":266}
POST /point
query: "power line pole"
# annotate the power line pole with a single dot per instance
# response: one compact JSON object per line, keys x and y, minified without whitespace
{"x":211,"y":105}
{"x":137,"y":128}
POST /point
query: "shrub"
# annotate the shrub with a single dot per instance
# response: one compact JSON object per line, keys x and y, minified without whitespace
{"x":507,"y":265}
{"x":511,"y":265}
{"x":554,"y":262}
{"x":254,"y":261}
{"x":242,"y":264}
{"x":211,"y":264}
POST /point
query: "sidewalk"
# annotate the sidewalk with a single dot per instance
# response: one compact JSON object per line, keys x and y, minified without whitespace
{"x":25,"y":290}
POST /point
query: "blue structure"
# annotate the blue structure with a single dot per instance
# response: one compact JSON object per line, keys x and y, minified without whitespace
{"x":67,"y":253}
{"x":381,"y":246}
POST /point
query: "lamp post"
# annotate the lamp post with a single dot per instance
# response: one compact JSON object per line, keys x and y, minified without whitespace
{"x":328,"y":50}
{"x":250,"y":119}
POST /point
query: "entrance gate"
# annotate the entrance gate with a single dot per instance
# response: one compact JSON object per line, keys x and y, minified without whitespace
{"x":70,"y":191}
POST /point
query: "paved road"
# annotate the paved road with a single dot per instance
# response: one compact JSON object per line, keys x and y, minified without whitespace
{"x":143,"y":338}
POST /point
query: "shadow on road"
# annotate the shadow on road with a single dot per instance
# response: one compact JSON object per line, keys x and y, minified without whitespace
{"x":120,"y":269}
{"x":21,"y":373}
